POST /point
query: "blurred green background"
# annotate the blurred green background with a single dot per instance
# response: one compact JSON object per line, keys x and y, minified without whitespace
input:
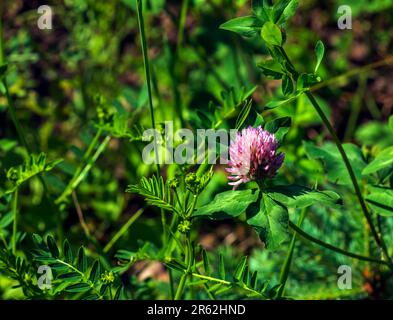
{"x":63,"y":80}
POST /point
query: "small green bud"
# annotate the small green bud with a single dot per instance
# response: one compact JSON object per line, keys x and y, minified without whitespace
{"x":173,"y":183}
{"x":184,"y":226}
{"x":192,"y":182}
{"x":107,"y":277}
{"x":13,"y":175}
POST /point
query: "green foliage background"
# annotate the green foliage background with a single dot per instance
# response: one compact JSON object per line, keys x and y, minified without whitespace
{"x":80,"y":95}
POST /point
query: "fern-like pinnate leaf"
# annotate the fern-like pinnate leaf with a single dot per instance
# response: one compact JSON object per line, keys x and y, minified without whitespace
{"x":34,"y":165}
{"x":72,"y":275}
{"x":156,"y":192}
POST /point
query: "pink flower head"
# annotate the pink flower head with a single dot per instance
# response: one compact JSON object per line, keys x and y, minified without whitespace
{"x":253,"y":156}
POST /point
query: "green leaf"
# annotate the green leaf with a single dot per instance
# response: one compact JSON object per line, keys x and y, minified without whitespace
{"x":6,"y":220}
{"x":259,"y":120}
{"x":270,"y":220}
{"x":206,"y":264}
{"x":279,"y":127}
{"x":70,"y":277}
{"x":334,"y":165}
{"x":95,"y":271}
{"x":296,"y":196}
{"x":375,"y":134}
{"x":278,"y":9}
{"x":319,"y":52}
{"x":221,"y":266}
{"x":247,"y":26}
{"x":67,"y":251}
{"x":254,"y":279}
{"x":287,"y":86}
{"x":243,"y":114}
{"x":176,"y":265}
{"x":45,"y":259}
{"x":307,"y":80}
{"x":3,"y":70}
{"x":119,"y":293}
{"x":381,"y":161}
{"x":155,"y":191}
{"x":381,"y":201}
{"x":3,"y":90}
{"x":288,"y":12}
{"x":271,"y":69}
{"x":223,"y":290}
{"x":227,"y":204}
{"x":59,"y":267}
{"x":52,"y":246}
{"x":280,"y":102}
{"x":239,"y":271}
{"x":32,"y":166}
{"x":271,"y":33}
{"x":262,"y":12}
{"x":79,"y":287}
{"x":60,"y":287}
{"x":391,"y":123}
{"x":91,"y":297}
{"x":103,"y":289}
{"x":82,"y":261}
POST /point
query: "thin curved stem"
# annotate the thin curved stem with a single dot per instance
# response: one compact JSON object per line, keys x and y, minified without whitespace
{"x":348,"y":165}
{"x":123,"y":229}
{"x":355,"y":71}
{"x":80,"y":174}
{"x":351,"y":174}
{"x":309,"y":237}
{"x":284,"y":273}
{"x":146,"y":63}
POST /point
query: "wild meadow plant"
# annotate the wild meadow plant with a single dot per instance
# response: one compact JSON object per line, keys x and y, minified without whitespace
{"x":274,"y":208}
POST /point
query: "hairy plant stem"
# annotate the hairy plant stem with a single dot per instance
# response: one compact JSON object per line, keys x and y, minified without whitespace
{"x":15,"y":221}
{"x":348,"y":165}
{"x":309,"y":237}
{"x":288,"y":260}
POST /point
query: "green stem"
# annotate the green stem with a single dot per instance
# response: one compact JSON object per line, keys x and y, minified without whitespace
{"x":68,"y":190}
{"x":78,"y":177}
{"x":15,"y":222}
{"x":123,"y":229}
{"x":180,"y":288}
{"x":344,"y":156}
{"x":288,"y":260}
{"x":182,"y":22}
{"x":333,"y":248}
{"x":188,"y":260}
{"x":83,"y":276}
{"x":228,"y":283}
{"x":146,"y":64}
{"x":171,"y":286}
{"x":351,"y":174}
